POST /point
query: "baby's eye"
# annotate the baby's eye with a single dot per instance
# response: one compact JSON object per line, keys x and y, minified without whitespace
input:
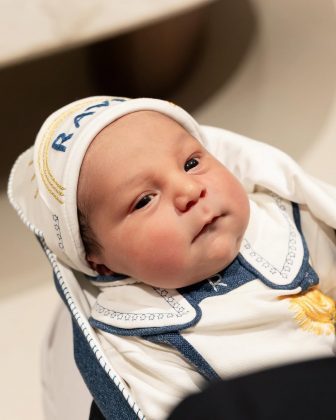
{"x":190,"y":163}
{"x":143,"y":201}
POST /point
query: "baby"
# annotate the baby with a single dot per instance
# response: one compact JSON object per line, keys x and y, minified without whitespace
{"x":158,"y":192}
{"x":199,"y":276}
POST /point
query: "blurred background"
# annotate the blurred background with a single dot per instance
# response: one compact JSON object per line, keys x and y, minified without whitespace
{"x":263,"y":68}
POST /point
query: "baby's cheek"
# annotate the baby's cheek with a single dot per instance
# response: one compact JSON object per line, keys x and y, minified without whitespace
{"x":162,"y":253}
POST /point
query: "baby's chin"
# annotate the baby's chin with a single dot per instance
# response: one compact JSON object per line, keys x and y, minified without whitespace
{"x":195,"y":271}
{"x":219,"y":261}
{"x":199,"y":276}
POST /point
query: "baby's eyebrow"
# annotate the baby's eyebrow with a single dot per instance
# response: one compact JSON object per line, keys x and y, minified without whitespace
{"x":132,"y":181}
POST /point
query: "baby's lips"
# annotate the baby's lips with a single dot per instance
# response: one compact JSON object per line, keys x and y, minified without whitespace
{"x":205,"y":226}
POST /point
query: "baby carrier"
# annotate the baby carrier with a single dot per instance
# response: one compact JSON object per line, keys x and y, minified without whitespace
{"x":256,"y":165}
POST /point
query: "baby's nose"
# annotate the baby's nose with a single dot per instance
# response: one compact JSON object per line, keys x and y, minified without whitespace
{"x":188,"y":194}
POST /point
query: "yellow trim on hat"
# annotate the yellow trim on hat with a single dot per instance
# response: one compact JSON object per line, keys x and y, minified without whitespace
{"x":52,"y":185}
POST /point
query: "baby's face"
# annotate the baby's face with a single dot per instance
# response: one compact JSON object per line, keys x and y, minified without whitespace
{"x":162,"y":208}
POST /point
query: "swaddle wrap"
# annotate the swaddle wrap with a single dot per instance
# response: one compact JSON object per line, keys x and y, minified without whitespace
{"x":36,"y":176}
{"x":50,"y":176}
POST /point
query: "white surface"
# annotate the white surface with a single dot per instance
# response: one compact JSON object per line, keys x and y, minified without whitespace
{"x":65,"y":395}
{"x":24,"y":318}
{"x":32,"y":27}
{"x":27,"y":300}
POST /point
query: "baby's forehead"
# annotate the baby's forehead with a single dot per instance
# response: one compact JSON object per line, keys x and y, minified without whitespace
{"x":135,"y":133}
{"x":137,"y":129}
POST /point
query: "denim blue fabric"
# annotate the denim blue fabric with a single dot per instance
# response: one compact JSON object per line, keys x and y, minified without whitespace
{"x":108,"y":278}
{"x":108,"y":397}
{"x":188,"y":351}
{"x":106,"y":394}
{"x":233,"y":276}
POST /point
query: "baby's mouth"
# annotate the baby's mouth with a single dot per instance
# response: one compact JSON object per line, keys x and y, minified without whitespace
{"x":205,"y":228}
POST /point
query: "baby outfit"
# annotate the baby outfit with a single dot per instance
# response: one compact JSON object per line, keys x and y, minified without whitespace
{"x":268,"y":307}
{"x":139,"y":347}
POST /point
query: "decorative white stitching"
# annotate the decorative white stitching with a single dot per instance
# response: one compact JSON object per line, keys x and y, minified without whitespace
{"x":292,"y":246}
{"x":171,"y":301}
{"x":131,"y":316}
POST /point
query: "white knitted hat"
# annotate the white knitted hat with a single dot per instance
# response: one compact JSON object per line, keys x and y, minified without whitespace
{"x":43,"y":181}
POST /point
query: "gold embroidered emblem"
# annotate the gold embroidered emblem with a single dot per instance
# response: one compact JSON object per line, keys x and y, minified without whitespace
{"x":52,"y":185}
{"x":313,"y":311}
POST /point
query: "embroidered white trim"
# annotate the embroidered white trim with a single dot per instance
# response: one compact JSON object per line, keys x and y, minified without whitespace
{"x":293,"y":243}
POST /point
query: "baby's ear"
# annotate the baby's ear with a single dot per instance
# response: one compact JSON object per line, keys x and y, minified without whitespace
{"x":100,"y":268}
